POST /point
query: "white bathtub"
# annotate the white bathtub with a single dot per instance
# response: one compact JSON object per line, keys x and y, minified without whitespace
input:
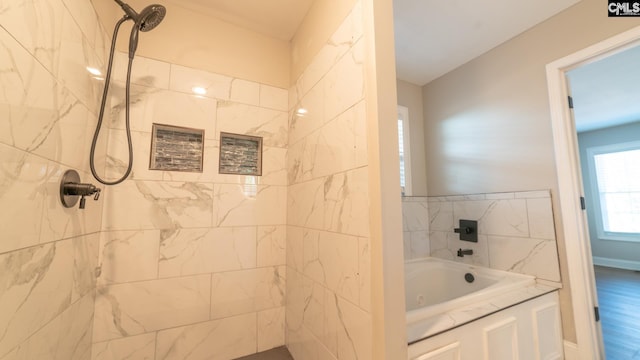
{"x":434,"y":286}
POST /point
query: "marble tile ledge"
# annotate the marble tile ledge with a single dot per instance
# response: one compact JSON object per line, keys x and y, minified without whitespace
{"x":423,"y":329}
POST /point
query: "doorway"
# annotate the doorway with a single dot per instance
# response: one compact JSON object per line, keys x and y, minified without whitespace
{"x":571,"y":191}
{"x":607,"y":119}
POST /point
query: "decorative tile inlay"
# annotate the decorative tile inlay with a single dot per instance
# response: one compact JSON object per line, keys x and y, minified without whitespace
{"x":240,"y":154}
{"x":176,"y":148}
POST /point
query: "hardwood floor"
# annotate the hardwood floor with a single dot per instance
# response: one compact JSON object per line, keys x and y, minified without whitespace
{"x":619,"y":300}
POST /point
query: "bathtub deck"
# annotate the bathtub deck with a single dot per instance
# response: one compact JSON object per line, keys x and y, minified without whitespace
{"x":618,"y":297}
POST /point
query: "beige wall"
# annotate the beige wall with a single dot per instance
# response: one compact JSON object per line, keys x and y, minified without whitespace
{"x":199,"y":41}
{"x":410,"y":96}
{"x":487,"y":124}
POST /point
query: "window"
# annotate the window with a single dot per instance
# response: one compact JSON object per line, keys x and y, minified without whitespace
{"x":404,"y":150}
{"x":615,"y":183}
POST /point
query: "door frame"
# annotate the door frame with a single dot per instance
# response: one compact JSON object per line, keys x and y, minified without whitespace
{"x":570,"y":189}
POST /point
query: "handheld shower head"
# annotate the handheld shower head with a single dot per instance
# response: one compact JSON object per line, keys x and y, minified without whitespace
{"x":146,"y":20}
{"x":150,"y":17}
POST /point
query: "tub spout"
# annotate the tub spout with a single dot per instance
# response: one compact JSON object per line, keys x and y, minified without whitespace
{"x":464,"y":252}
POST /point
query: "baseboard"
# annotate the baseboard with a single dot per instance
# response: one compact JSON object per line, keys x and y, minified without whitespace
{"x":617,"y":263}
{"x":570,"y":351}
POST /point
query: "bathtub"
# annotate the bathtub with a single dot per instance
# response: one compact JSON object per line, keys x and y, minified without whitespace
{"x":435,"y":287}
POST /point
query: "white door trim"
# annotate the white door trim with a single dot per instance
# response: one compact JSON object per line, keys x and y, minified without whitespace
{"x":576,"y":236}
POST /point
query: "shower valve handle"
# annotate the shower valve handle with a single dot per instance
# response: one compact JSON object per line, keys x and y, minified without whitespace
{"x":71,"y":188}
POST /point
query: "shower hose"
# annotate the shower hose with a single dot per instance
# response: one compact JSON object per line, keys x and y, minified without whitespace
{"x":102,"y":107}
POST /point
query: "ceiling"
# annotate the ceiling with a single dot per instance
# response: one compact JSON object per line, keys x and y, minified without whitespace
{"x":607,"y":92}
{"x":434,"y":37}
{"x":276,"y":18}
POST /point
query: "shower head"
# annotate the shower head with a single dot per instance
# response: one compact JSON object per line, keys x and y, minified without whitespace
{"x":146,"y":20}
{"x":150,"y":17}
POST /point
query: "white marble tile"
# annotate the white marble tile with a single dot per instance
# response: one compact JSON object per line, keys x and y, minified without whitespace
{"x":184,"y":79}
{"x":145,"y":71}
{"x":329,"y":150}
{"x":440,"y":215}
{"x":247,"y":291}
{"x":270,"y":328}
{"x":497,"y":196}
{"x":540,"y":214}
{"x":135,"y":308}
{"x":439,"y":245}
{"x":346,"y":202}
{"x":271,"y":246}
{"x":406,"y":245}
{"x":537,"y":194}
{"x":35,"y":287}
{"x":274,"y":98}
{"x":351,"y":327}
{"x":333,"y":260}
{"x":85,"y":261}
{"x":535,"y":257}
{"x":140,"y":347}
{"x":364,"y":273}
{"x":222,"y":339}
{"x":298,"y":293}
{"x":238,"y":118}
{"x":302,"y":344}
{"x":360,"y":128}
{"x":301,"y":125}
{"x":295,"y":248}
{"x":127,"y":256}
{"x":245,"y":92}
{"x":495,"y":217}
{"x":350,"y":30}
{"x":245,"y":205}
{"x":151,"y":105}
{"x":158,"y":205}
{"x":42,"y":40}
{"x":59,"y":222}
{"x":39,"y":112}
{"x":344,"y":84}
{"x":199,"y":251}
{"x":419,"y":244}
{"x":274,"y":166}
{"x":84,"y":15}
{"x":117,"y":156}
{"x":22,"y":197}
{"x":74,"y":54}
{"x":314,"y":311}
{"x":66,"y":337}
{"x":415,"y":216}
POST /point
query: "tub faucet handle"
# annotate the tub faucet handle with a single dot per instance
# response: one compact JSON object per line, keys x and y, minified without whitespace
{"x":462,"y":253}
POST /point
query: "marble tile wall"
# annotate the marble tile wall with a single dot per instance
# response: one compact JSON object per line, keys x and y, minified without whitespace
{"x":415,"y":227}
{"x":48,"y":110}
{"x":515,"y":231}
{"x":328,"y":297}
{"x":193,"y":264}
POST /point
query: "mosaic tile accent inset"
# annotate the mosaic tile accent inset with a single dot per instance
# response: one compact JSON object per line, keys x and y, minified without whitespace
{"x":175,"y":148}
{"x":240,"y":154}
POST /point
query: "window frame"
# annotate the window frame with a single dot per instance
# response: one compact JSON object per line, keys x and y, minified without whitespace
{"x":403,"y":115}
{"x":592,"y":152}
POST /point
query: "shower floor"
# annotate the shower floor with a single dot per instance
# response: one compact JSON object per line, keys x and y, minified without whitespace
{"x":279,"y":353}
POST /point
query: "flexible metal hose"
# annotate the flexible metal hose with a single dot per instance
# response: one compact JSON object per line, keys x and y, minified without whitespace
{"x":102,"y":108}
